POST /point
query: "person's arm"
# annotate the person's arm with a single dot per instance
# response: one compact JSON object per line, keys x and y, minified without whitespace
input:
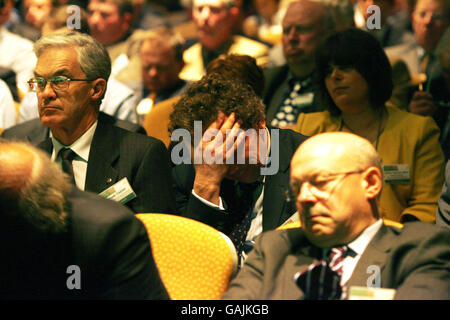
{"x":427,"y":175}
{"x":424,"y":270}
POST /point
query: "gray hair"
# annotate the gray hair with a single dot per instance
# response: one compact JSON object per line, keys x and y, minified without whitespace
{"x":165,"y":37}
{"x":93,"y":58}
{"x":42,"y":200}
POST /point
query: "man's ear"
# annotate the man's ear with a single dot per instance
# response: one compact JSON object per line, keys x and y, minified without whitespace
{"x":372,"y":182}
{"x":98,"y":89}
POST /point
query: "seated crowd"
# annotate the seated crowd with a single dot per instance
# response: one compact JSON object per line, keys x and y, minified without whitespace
{"x":312,"y":134}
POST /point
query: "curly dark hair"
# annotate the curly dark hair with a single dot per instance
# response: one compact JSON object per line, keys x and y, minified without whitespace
{"x":204,"y":99}
{"x":360,"y":50}
{"x":241,"y":67}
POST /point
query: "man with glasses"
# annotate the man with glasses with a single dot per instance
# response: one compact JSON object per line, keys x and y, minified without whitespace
{"x":70,"y":80}
{"x":344,"y":249}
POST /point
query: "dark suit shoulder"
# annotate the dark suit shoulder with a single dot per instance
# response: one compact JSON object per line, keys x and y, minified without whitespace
{"x":294,"y":137}
{"x":418,"y":231}
{"x":32,"y":131}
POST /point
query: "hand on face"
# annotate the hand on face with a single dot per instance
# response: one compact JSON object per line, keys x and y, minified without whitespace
{"x":218,"y":144}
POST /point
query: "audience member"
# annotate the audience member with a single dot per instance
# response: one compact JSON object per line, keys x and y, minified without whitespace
{"x":160,"y":60}
{"x":336,"y":180}
{"x":354,"y":81}
{"x":120,"y":101}
{"x":215,"y":20}
{"x":110,"y":23}
{"x":443,"y":211}
{"x":430,"y":19}
{"x":16,"y":52}
{"x":62,"y":243}
{"x":231,"y":66}
{"x":390,"y":32}
{"x":289,"y":88}
{"x":8,"y":114}
{"x":240,"y":197}
{"x":76,"y":68}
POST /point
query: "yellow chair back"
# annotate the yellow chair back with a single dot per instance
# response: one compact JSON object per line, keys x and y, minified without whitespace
{"x":195,"y":261}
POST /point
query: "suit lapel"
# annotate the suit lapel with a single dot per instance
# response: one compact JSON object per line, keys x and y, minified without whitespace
{"x":104,"y":152}
{"x":274,"y":205}
{"x":373,"y":258}
{"x":46,"y":145}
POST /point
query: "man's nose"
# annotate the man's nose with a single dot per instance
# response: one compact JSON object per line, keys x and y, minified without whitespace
{"x":94,"y":18}
{"x":48,"y":91}
{"x":305,"y":194}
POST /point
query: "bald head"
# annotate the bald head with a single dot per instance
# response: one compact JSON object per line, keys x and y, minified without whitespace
{"x":336,"y":179}
{"x":29,"y":194}
{"x":336,"y":151}
{"x":305,"y":25}
{"x":17,"y":164}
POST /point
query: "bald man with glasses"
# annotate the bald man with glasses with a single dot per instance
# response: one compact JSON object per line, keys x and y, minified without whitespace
{"x":343,"y":248}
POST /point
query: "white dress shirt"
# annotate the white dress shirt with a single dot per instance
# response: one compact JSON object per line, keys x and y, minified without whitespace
{"x":81,"y":147}
{"x":358,"y":246}
{"x":8,"y":114}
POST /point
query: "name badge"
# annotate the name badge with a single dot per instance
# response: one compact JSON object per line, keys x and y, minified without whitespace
{"x":396,"y":173}
{"x":120,"y":192}
{"x":370,"y":293}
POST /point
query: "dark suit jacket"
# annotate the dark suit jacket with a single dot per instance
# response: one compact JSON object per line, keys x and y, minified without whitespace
{"x":414,"y":260}
{"x":276,"y":84}
{"x":117,"y":153}
{"x":275,"y":207}
{"x":35,"y":132}
{"x":104,"y":240}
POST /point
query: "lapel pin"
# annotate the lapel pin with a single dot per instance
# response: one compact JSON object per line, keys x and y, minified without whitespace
{"x":109,"y":180}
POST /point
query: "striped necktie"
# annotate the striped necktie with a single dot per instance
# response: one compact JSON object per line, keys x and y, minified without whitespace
{"x":321,"y":280}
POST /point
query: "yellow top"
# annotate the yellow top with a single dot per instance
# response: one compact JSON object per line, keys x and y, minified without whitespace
{"x":407,"y":139}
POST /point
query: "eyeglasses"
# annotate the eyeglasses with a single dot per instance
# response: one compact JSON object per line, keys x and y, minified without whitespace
{"x":320,"y":187}
{"x":58,"y":83}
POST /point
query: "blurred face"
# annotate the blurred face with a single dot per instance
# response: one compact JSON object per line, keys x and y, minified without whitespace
{"x":214,"y":22}
{"x":63,"y":108}
{"x":348,"y":89}
{"x":429,"y":22}
{"x":36,"y":11}
{"x":302,"y":32}
{"x":5,"y":11}
{"x":329,"y":195}
{"x":160,"y":69}
{"x":107,"y":25}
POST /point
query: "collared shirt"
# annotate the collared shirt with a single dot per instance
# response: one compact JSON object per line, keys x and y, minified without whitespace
{"x":358,"y":246}
{"x":82,"y":147}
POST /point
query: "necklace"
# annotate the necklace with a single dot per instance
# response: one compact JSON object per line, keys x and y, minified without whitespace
{"x":380,"y":122}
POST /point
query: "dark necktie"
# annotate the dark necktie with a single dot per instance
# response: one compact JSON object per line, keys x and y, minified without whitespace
{"x":321,"y":280}
{"x":241,"y":207}
{"x":67,"y":155}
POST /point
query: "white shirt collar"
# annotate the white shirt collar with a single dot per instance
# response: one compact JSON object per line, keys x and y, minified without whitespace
{"x":82,"y":146}
{"x":362,"y":241}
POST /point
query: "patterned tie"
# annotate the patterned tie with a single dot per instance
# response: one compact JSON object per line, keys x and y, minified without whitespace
{"x":242,"y":209}
{"x":67,"y":155}
{"x":298,"y":99}
{"x":321,"y":280}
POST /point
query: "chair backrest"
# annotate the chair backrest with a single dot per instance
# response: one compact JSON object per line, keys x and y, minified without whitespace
{"x":195,"y":261}
{"x":156,"y":122}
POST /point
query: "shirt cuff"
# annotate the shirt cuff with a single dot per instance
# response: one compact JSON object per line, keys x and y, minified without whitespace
{"x":210,"y":204}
